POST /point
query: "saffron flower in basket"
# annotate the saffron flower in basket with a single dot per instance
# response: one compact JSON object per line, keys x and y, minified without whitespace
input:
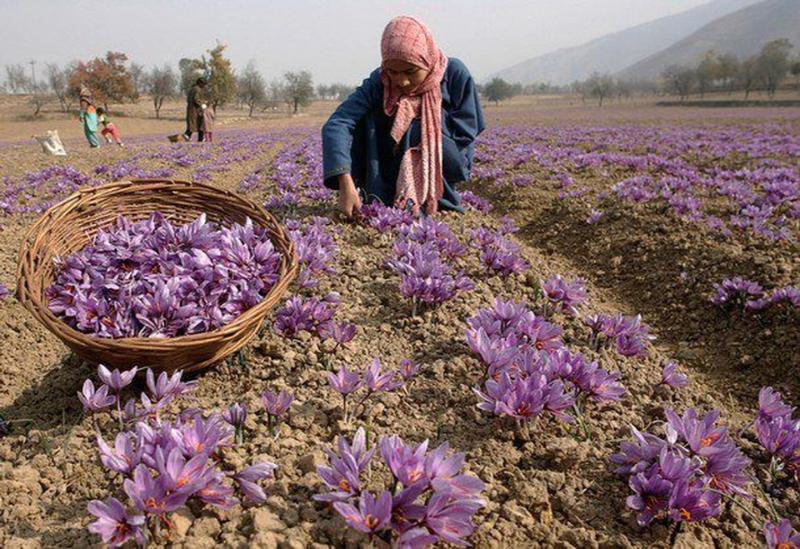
{"x":151,"y":278}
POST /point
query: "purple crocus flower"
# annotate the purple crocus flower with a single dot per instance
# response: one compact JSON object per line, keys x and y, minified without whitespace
{"x":340,"y":332}
{"x":276,"y":404}
{"x":724,"y":468}
{"x":167,"y":387}
{"x":178,"y":475}
{"x":451,"y":519}
{"x":116,"y":380}
{"x":126,"y":454}
{"x":378,"y":382}
{"x":634,"y":457}
{"x":94,"y":401}
{"x":405,"y":512}
{"x":780,"y":535}
{"x":779,"y":436}
{"x":689,"y":502}
{"x":344,"y":381}
{"x":371,"y":516}
{"x":408,"y":369}
{"x":343,"y":475}
{"x":151,"y":495}
{"x":235,"y":415}
{"x":566,"y":295}
{"x":406,"y":463}
{"x":416,"y":538}
{"x":443,"y":472}
{"x":199,"y":436}
{"x":114,"y":525}
{"x":248,"y":479}
{"x":4,"y":292}
{"x":700,"y":434}
{"x":650,"y":497}
{"x":216,"y":492}
{"x":770,"y":405}
{"x":671,"y":378}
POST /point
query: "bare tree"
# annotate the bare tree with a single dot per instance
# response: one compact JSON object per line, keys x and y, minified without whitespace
{"x":747,"y":76}
{"x":299,"y":89}
{"x":17,"y":79}
{"x":138,"y":75}
{"x":251,"y":88}
{"x":39,"y":97}
{"x":727,"y":69}
{"x":678,"y":81}
{"x":600,"y":86}
{"x":58,"y":82}
{"x":706,"y":73}
{"x":772,"y":64}
{"x":161,"y":83}
{"x":795,"y":70}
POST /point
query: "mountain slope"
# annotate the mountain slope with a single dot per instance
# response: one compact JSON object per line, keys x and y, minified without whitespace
{"x":741,"y":33}
{"x":614,"y":52}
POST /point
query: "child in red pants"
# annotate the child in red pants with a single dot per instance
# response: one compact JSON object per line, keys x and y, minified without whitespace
{"x":109,"y":129}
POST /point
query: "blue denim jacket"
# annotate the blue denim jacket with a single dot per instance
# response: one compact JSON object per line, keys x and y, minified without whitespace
{"x":356,"y":138}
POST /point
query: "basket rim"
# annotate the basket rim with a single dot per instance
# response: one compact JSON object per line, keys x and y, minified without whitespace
{"x":38,"y":307}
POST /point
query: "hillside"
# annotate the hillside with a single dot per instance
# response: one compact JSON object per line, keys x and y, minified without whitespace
{"x":741,"y":33}
{"x":614,"y":52}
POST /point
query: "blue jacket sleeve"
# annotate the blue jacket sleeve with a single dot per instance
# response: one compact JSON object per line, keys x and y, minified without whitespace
{"x":462,"y":123}
{"x":465,"y":120}
{"x":337,"y":133}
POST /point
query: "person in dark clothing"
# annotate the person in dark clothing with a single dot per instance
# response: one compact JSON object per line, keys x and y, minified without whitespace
{"x":195,"y":105}
{"x":406,"y":135}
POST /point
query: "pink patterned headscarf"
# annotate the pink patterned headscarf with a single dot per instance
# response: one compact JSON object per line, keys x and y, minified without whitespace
{"x":420,"y":177}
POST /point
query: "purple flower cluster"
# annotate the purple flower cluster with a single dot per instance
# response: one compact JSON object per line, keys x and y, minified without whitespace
{"x":152,"y":279}
{"x":426,"y":273}
{"x":35,"y":192}
{"x":428,"y":231}
{"x":475,"y":202}
{"x":778,"y":432}
{"x":498,"y":253}
{"x":435,"y":500}
{"x":311,"y":315}
{"x":682,"y":477}
{"x":763,"y":197}
{"x":384,"y":218}
{"x":787,"y":297}
{"x":629,"y":334}
{"x":565,"y":296}
{"x":316,"y":250}
{"x":528,"y":370}
{"x":373,"y":379}
{"x":164,"y":462}
{"x":735,"y":292}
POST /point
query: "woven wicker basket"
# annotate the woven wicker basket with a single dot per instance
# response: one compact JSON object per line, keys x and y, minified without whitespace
{"x":69,"y":226}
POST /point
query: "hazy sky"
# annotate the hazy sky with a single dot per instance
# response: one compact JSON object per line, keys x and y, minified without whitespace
{"x":337,"y":40}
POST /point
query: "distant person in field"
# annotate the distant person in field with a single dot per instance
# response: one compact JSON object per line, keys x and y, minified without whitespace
{"x":195,"y":105}
{"x":405,"y":136}
{"x":88,"y":117}
{"x":207,"y":129}
{"x":109,"y":130}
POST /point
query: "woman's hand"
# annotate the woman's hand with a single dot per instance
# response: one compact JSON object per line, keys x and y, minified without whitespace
{"x":349,"y":201}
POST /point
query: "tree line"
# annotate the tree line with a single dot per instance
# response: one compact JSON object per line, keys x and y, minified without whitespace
{"x":766,"y":71}
{"x":112,"y":79}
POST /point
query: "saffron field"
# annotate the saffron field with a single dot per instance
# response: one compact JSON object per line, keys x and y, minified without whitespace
{"x":602,"y":351}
